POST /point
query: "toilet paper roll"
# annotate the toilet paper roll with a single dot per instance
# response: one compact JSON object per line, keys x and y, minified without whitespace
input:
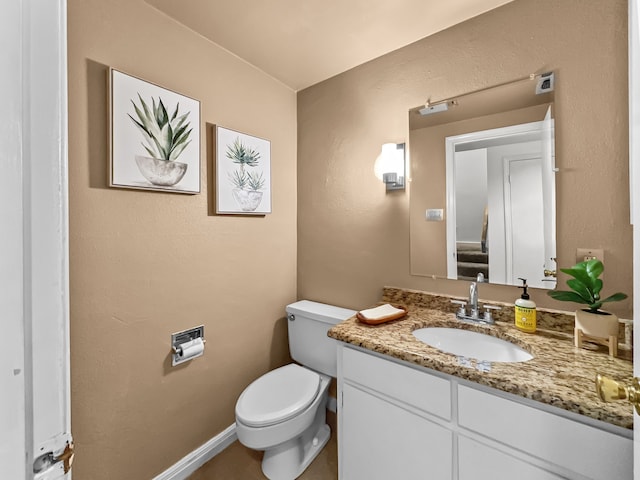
{"x":191,"y":349}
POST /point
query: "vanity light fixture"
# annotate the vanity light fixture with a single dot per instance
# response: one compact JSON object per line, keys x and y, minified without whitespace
{"x":545,"y":83}
{"x":391,"y":165}
{"x":428,"y":109}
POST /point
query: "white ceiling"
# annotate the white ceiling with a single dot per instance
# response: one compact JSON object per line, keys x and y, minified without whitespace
{"x":302,"y":42}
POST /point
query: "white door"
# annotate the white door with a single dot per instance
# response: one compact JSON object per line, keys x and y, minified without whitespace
{"x":34,"y":379}
{"x":524,"y":219}
{"x":634,"y":182}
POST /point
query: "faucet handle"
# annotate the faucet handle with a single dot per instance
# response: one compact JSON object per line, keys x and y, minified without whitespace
{"x":491,"y":307}
{"x":462,"y":304}
{"x":488,"y":318}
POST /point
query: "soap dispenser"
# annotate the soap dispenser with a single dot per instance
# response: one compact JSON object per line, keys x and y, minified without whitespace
{"x":525,"y":310}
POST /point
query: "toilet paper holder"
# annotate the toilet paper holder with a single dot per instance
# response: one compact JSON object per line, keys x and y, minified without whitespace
{"x":187,"y":345}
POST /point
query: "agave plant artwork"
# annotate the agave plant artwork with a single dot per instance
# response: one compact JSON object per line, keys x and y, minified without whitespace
{"x":248,"y":184}
{"x":165,"y":136}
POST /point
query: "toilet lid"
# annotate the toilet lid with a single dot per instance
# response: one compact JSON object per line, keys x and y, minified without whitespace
{"x":277,"y":396}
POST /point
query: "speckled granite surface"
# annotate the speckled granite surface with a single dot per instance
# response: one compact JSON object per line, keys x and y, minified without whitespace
{"x":559,"y":374}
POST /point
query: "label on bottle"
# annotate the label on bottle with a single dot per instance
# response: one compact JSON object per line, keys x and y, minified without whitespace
{"x":526,"y":319}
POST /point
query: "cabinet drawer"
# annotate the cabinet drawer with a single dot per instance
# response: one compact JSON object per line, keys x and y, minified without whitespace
{"x":422,"y":390}
{"x":594,"y":453}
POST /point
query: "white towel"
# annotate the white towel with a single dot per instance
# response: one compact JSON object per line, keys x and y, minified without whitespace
{"x":380,"y":312}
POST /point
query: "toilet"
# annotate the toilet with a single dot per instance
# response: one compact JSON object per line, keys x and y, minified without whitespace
{"x":284,"y":411}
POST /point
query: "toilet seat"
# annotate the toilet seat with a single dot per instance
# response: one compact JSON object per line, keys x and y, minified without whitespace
{"x":277,"y":396}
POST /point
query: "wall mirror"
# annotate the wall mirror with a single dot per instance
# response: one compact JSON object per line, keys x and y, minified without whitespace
{"x":482,"y":197}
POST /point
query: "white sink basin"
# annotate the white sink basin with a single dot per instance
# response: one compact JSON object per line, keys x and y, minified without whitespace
{"x":470,"y":344}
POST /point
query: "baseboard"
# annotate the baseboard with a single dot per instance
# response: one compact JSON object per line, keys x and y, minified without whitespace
{"x":201,"y":455}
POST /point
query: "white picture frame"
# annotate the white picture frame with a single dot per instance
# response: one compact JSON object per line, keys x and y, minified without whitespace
{"x":243,"y":173}
{"x":154,"y":137}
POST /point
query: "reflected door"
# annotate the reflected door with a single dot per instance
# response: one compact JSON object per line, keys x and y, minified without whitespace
{"x":524,"y":219}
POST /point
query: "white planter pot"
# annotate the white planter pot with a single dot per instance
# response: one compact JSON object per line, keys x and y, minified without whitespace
{"x":165,"y":173}
{"x":600,"y":325}
{"x":247,"y":200}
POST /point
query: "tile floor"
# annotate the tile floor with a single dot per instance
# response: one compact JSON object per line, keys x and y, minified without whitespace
{"x":237,"y":462}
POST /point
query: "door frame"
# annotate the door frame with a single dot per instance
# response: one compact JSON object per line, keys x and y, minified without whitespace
{"x":34,"y":215}
{"x":512,"y":131}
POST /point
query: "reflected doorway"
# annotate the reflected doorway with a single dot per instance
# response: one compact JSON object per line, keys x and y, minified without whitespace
{"x":500,"y":218}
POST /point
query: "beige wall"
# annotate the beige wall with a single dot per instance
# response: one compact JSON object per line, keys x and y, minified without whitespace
{"x":144,"y":264}
{"x":147,"y":264}
{"x":353,"y":238}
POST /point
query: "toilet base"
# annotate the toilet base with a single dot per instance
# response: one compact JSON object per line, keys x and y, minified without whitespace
{"x":277,"y":464}
{"x":288,"y":460}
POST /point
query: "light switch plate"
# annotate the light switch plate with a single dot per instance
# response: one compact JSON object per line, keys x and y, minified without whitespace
{"x":434,"y":214}
{"x":583,"y":254}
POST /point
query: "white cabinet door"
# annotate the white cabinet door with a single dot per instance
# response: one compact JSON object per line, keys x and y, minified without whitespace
{"x":480,"y":462}
{"x":381,"y":441}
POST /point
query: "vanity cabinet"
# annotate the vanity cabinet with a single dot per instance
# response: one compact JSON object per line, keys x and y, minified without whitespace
{"x":396,"y":420}
{"x":384,"y":431}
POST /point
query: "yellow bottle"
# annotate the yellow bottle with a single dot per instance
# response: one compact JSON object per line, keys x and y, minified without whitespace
{"x":525,"y":310}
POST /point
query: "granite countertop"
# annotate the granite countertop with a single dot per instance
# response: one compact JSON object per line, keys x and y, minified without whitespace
{"x":559,"y":374}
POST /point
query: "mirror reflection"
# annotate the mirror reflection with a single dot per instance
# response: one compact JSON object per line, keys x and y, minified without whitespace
{"x":483,"y":187}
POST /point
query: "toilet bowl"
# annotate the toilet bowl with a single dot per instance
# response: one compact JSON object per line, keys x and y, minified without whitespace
{"x":284,"y":411}
{"x":288,"y":422}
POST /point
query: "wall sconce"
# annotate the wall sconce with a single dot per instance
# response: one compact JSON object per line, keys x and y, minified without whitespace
{"x":390,"y":166}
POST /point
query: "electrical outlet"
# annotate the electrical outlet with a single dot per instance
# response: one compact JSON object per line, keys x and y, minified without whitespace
{"x":584,"y":254}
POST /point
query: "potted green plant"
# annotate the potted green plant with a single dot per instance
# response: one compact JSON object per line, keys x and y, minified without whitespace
{"x":586,"y":286}
{"x":165,"y":138}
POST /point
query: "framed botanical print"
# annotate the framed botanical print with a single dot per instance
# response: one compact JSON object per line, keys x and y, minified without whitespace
{"x":243,"y":173}
{"x":154,"y":136}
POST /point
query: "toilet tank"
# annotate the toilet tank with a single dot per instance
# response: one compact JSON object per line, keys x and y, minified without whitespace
{"x":308,"y":324}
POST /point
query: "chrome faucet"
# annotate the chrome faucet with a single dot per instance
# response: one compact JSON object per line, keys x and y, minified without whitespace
{"x":473,"y":296}
{"x":474,"y":315}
